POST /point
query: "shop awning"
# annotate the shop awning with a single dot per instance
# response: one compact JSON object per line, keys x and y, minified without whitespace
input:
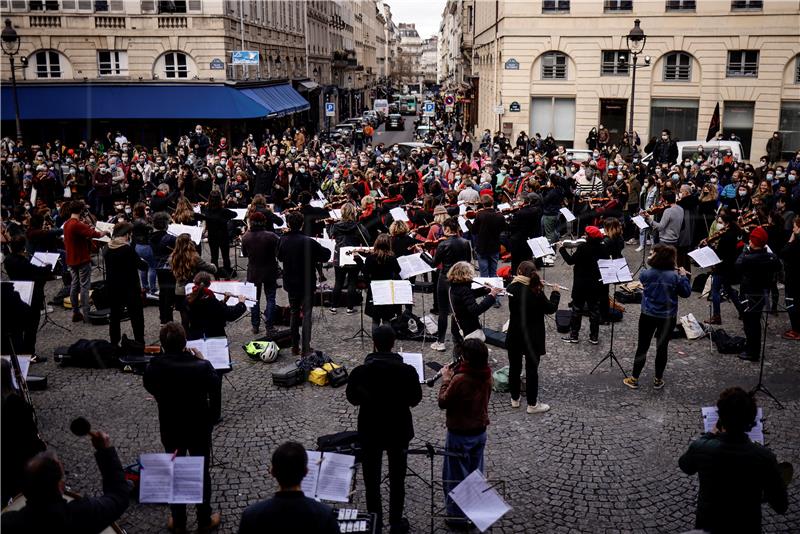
{"x":307,"y":85}
{"x":148,"y":101}
{"x":280,"y":99}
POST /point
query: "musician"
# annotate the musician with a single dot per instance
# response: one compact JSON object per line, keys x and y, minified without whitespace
{"x":757,"y":268}
{"x":77,"y":243}
{"x":669,"y":227}
{"x":46,"y":510}
{"x":162,"y":243}
{"x":312,"y":216}
{"x":448,"y":252}
{"x":613,"y":240}
{"x":526,"y":334}
{"x":736,"y":475}
{"x":662,"y":287}
{"x":723,"y":275}
{"x":185,"y":263}
{"x":217,"y":217}
{"x":587,"y":289}
{"x":464,"y":394}
{"x":370,"y":218}
{"x":142,"y":230}
{"x":486,"y":230}
{"x":259,"y":205}
{"x":380,"y":264}
{"x":525,"y":223}
{"x":299,"y":254}
{"x":289,"y":510}
{"x":552,"y":202}
{"x":647,"y":199}
{"x":790,"y":254}
{"x":187,"y":390}
{"x":347,"y":233}
{"x":466,"y":310}
{"x":260,"y":247}
{"x":207,"y":314}
{"x":385,"y":389}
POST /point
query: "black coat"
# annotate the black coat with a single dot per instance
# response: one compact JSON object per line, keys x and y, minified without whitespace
{"x":300,"y":255}
{"x":451,"y":251}
{"x":385,"y":389}
{"x":217,"y":223}
{"x":526,"y":331}
{"x":208,"y":316}
{"x":86,"y":515}
{"x":486,"y":228}
{"x":757,"y":269}
{"x":586,"y":275}
{"x":187,"y":391}
{"x":261,"y":249}
{"x":122,"y":271}
{"x":289,"y":512}
{"x":466,"y":310}
{"x":19,"y":267}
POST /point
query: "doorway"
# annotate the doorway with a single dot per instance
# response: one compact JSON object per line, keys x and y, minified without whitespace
{"x":738,"y":119}
{"x":612,"y":116}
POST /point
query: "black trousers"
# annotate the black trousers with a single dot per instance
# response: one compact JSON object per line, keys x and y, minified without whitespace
{"x":133,"y":302}
{"x":166,"y":295}
{"x":443,"y":294}
{"x":648,"y":326}
{"x":298,"y":304}
{"x":751,"y":322}
{"x":342,"y":273}
{"x":371,"y":463}
{"x":531,"y":374}
{"x":585,"y":304}
{"x":219,"y":245}
{"x":200,"y":447}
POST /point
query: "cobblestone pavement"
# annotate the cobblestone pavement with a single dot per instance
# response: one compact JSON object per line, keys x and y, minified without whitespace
{"x":604,"y":459}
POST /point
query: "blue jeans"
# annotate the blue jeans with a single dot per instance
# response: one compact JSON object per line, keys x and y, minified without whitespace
{"x":487,"y":264}
{"x":718,"y":282}
{"x":269,"y":315}
{"x":148,"y":278}
{"x":455,"y":469}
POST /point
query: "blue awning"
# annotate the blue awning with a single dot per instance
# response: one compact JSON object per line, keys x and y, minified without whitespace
{"x":281,"y":99}
{"x":148,"y":101}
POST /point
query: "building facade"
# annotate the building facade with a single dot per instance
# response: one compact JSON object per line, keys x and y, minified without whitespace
{"x":429,"y":60}
{"x":537,"y":63}
{"x":455,"y":44}
{"x":408,"y":67}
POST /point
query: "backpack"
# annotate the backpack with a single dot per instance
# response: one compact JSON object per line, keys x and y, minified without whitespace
{"x":500,"y":380}
{"x":90,"y":354}
{"x":727,"y":344}
{"x":407,"y":326}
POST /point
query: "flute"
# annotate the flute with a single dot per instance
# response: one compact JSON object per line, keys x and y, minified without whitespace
{"x":503,"y":292}
{"x":232,"y":295}
{"x":554,"y":286}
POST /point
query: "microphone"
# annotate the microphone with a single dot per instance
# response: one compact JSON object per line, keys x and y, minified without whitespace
{"x":80,"y":426}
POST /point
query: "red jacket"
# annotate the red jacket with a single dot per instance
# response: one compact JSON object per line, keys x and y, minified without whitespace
{"x":77,"y":239}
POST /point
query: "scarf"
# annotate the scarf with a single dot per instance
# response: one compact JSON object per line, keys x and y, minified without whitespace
{"x":482,"y":374}
{"x":117,"y":242}
{"x":524,"y":280}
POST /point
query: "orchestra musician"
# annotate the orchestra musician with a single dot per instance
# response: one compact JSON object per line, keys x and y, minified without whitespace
{"x":207,"y":314}
{"x":122,"y":278}
{"x":380,"y":264}
{"x":525,"y":224}
{"x":669,"y":227}
{"x":403,"y":245}
{"x":486,"y":230}
{"x":726,"y":241}
{"x":448,"y":252}
{"x":260,"y":247}
{"x":791,"y":259}
{"x":346,"y":233}
{"x":185,"y":263}
{"x":162,"y":243}
{"x":77,"y":243}
{"x":466,"y":310}
{"x":587,"y":288}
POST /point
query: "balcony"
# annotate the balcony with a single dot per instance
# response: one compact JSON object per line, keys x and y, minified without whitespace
{"x":109,"y":22}
{"x":173,"y":23}
{"x":44,"y":21}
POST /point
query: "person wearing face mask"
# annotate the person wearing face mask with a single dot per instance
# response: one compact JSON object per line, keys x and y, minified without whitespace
{"x":774,"y":147}
{"x":199,"y":141}
{"x":723,"y":275}
{"x":102,"y":182}
{"x":666,"y":150}
{"x":122,"y":277}
{"x":794,"y":164}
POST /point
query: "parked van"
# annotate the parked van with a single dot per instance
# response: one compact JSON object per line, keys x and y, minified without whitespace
{"x":687,"y":148}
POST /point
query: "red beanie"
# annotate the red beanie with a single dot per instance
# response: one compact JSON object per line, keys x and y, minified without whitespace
{"x":759,"y":237}
{"x":594,"y":232}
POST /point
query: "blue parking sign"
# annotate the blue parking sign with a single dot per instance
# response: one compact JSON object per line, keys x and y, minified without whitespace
{"x":429,"y":109}
{"x":330,"y":109}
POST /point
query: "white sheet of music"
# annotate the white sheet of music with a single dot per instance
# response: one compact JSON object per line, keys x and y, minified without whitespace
{"x":711,"y":416}
{"x":24,"y":365}
{"x":398,"y":214}
{"x":568,"y":215}
{"x":320,"y":195}
{"x":246,"y":289}
{"x":705,"y":257}
{"x":335,"y":477}
{"x":240,"y":213}
{"x":614,"y":271}
{"x":330,"y":244}
{"x":155,"y":484}
{"x":640,"y":223}
{"x":25,"y":290}
{"x":45,"y":259}
{"x":335,"y":214}
{"x":195,"y":232}
{"x":412,"y":265}
{"x":391,"y":292}
{"x":214,"y":349}
{"x":309,"y":483}
{"x":540,"y":247}
{"x":101,"y":226}
{"x":462,"y":209}
{"x":317,"y":203}
{"x":462,"y":223}
{"x":478,"y":282}
{"x":348,"y":259}
{"x":503,"y":206}
{"x":479,"y":501}
{"x":187,"y":480}
{"x":414,"y":359}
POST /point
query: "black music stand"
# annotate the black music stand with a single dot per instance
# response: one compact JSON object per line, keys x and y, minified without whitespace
{"x":760,"y":387}
{"x":48,"y":320}
{"x":647,"y":234}
{"x":361,"y":332}
{"x":431,"y":453}
{"x":611,"y":355}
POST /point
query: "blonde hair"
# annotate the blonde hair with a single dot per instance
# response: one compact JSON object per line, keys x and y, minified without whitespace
{"x":461,"y":272}
{"x":184,"y":211}
{"x":184,"y":258}
{"x":441,"y":218}
{"x":348,"y":212}
{"x":366,"y":201}
{"x":398,"y":228}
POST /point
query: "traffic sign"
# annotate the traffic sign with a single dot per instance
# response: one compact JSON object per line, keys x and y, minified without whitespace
{"x":428,"y":109}
{"x":499,"y":109}
{"x":449,"y":103}
{"x":330,"y":109}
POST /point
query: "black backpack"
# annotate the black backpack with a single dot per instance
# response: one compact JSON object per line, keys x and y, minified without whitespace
{"x":408,"y":326}
{"x":91,"y":354}
{"x":727,"y":344}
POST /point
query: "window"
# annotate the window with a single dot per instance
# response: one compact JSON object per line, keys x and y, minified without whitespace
{"x":614,"y":63}
{"x":551,"y":115}
{"x":743,"y":63}
{"x":681,"y":5}
{"x":678,"y":67}
{"x":554,"y":66}
{"x":555,"y":6}
{"x":43,"y":5}
{"x":172,"y":6}
{"x":618,"y":5}
{"x":175,"y":65}
{"x":742,"y":5}
{"x":112,"y":62}
{"x":48,"y":64}
{"x":789,"y":126}
{"x":676,"y":115}
{"x":797,"y":70}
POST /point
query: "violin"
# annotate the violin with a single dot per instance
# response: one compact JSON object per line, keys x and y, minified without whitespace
{"x":430,"y":244}
{"x":656,"y":208}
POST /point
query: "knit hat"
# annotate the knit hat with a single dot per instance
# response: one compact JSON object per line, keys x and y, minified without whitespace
{"x":594,"y":232}
{"x":758,"y":237}
{"x":258,"y":219}
{"x":439,"y":210}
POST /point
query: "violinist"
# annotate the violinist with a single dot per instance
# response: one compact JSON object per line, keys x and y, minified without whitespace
{"x":449,"y":252}
{"x":611,"y":207}
{"x":347,"y":233}
{"x":77,"y":240}
{"x":669,"y":227}
{"x":380,"y":264}
{"x":552,"y":201}
{"x":486,"y":230}
{"x":423,"y":216}
{"x":402,"y":245}
{"x":647,"y":199}
{"x":524,"y":224}
{"x":370,"y":218}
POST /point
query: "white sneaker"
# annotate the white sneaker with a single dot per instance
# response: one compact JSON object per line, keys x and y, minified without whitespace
{"x":639,"y":248}
{"x":440,"y":347}
{"x":539,"y":407}
{"x":514,"y":403}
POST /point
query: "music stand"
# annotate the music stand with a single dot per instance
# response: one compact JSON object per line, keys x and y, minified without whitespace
{"x":760,"y":385}
{"x":613,"y":272}
{"x":430,"y":452}
{"x":647,"y":234}
{"x":48,"y":320}
{"x":361,"y":332}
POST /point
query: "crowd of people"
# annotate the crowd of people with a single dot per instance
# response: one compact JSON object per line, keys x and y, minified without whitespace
{"x":277,"y":198}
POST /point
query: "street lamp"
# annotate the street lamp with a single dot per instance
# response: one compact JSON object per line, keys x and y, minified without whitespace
{"x":10,"y":43}
{"x":635,"y":41}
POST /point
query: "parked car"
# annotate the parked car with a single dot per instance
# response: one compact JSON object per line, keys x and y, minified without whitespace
{"x":395,"y":122}
{"x":346,"y":130}
{"x":404,"y":149}
{"x":687,"y":148}
{"x":578,"y":156}
{"x":424,"y":132}
{"x":372,"y":118}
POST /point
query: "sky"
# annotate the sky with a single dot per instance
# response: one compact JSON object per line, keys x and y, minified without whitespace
{"x":425,"y":14}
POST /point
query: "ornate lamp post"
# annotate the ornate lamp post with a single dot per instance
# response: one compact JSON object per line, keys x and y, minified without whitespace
{"x":10,"y":44}
{"x":635,"y":41}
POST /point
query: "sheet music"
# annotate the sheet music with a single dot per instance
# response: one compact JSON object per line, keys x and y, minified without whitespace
{"x":640,"y":223}
{"x":705,"y":257}
{"x":187,"y":480}
{"x":414,"y":359}
{"x":568,"y":215}
{"x":503,"y":206}
{"x":101,"y":226}
{"x":195,"y":232}
{"x":614,"y":271}
{"x":283,"y":222}
{"x":348,"y":259}
{"x":330,"y":244}
{"x":335,"y":477}
{"x":45,"y":258}
{"x":479,"y":501}
{"x":155,"y":484}
{"x":462,"y":209}
{"x":317,"y":203}
{"x":335,"y":214}
{"x":540,"y":247}
{"x":711,"y":416}
{"x":391,"y":292}
{"x":24,"y":366}
{"x":320,"y":195}
{"x":412,"y":265}
{"x":240,"y":213}
{"x":25,"y":290}
{"x":462,"y":223}
{"x":214,"y":349}
{"x":398,"y":214}
{"x":245,"y":289}
{"x":196,"y":209}
{"x":309,"y":483}
{"x":478,"y":282}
